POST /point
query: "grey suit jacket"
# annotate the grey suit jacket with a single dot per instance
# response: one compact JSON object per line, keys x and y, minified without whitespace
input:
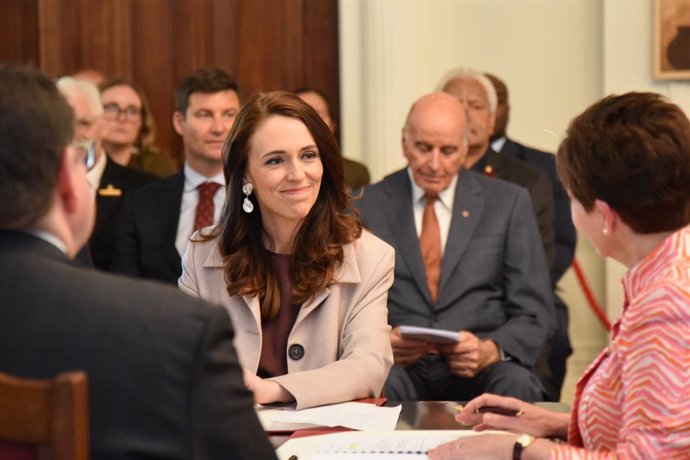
{"x":164,"y":379}
{"x":494,"y":279}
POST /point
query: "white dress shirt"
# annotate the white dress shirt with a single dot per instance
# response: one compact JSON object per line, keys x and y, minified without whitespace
{"x":190,"y":198}
{"x":443,"y":207}
{"x":498,"y":144}
{"x":49,"y":238}
{"x":96,"y":174}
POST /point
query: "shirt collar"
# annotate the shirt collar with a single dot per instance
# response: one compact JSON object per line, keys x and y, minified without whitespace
{"x":192,"y":179}
{"x":446,"y":197}
{"x":656,"y":264}
{"x":49,"y":238}
{"x":94,"y":176}
{"x":498,"y":144}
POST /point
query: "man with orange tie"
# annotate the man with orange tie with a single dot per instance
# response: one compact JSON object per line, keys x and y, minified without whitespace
{"x":468,"y":259}
{"x":157,"y":221}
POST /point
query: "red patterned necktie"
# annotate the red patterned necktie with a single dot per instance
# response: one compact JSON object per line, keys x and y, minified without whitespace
{"x":430,"y":244}
{"x":204,"y":209}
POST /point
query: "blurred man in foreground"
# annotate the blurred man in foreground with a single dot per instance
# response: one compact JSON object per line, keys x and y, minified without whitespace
{"x":164,"y":381}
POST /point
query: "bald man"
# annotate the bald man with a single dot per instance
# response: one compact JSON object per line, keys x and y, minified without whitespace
{"x":491,"y":284}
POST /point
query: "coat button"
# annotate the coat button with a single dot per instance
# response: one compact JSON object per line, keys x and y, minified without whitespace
{"x":296,"y":351}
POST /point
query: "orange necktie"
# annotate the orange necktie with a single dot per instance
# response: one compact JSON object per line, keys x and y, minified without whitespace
{"x":430,"y":244}
{"x":203,"y":217}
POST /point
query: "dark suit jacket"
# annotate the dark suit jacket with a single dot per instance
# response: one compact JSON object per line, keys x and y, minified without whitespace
{"x":164,"y":379}
{"x":494,"y":278}
{"x":537,"y":184}
{"x":146,"y":232}
{"x":565,"y":234}
{"x":115,"y":177}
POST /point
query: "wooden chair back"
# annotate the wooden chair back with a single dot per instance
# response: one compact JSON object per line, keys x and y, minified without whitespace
{"x":44,"y":419}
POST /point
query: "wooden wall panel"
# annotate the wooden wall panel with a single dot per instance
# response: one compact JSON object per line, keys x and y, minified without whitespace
{"x":153,"y":66}
{"x":263,"y":44}
{"x":19,"y":31}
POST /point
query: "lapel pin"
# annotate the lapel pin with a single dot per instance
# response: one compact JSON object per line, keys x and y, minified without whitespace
{"x":465,"y":213}
{"x":110,"y":191}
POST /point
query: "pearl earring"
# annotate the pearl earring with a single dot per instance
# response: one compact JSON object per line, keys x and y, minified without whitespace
{"x":605,"y":231}
{"x":247,"y":205}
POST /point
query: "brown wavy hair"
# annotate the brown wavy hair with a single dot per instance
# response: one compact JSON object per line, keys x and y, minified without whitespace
{"x":318,"y":245}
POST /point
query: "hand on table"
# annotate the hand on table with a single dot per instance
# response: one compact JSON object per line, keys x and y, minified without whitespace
{"x":486,"y":446}
{"x":532,"y":420}
{"x":265,"y":391}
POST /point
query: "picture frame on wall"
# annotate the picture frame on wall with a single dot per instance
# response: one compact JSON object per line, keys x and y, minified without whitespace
{"x":672,"y":39}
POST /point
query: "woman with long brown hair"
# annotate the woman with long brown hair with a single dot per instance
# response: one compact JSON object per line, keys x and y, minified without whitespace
{"x":305,"y":285}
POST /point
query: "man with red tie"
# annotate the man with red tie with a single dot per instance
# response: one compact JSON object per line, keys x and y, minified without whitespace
{"x":157,"y":221}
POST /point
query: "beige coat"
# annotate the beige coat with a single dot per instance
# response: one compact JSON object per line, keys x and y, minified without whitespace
{"x":343,"y":329}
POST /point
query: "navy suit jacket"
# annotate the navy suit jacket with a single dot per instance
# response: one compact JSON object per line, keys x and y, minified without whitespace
{"x":494,"y":278}
{"x":146,"y":231}
{"x":120,"y":179}
{"x":565,"y":234}
{"x":535,"y":182}
{"x":164,"y":378}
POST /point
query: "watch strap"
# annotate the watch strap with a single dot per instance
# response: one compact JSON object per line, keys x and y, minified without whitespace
{"x":521,"y":443}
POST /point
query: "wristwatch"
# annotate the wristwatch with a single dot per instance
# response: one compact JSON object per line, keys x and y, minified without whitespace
{"x":521,"y":443}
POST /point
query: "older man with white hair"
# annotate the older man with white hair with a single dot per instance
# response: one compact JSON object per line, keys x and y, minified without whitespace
{"x":478,"y":96}
{"x":110,"y":181}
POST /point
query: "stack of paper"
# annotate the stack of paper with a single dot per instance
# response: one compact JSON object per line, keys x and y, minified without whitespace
{"x":355,"y":415}
{"x":399,"y":445}
{"x":428,"y":334}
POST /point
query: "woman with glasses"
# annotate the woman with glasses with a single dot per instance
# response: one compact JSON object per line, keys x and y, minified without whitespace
{"x":129,"y":129}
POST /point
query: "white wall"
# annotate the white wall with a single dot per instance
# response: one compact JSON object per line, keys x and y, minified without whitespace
{"x":393,"y":51}
{"x":557,"y":57}
{"x":628,"y":51}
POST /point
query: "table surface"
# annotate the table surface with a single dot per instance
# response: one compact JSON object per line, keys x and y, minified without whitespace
{"x":440,"y":415}
{"x":425,"y":415}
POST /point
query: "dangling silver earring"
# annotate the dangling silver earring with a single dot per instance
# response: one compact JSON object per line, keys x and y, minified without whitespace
{"x":247,"y":205}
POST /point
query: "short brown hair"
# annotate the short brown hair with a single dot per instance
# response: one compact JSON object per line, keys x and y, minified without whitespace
{"x":207,"y":81}
{"x":632,"y":152}
{"x":36,"y":124}
{"x":147,"y":133}
{"x":330,"y":224}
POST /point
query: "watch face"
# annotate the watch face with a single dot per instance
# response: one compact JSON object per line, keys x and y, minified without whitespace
{"x":525,"y":440}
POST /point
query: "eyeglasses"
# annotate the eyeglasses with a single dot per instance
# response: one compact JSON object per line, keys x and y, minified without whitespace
{"x":112,"y":110}
{"x":87,"y":149}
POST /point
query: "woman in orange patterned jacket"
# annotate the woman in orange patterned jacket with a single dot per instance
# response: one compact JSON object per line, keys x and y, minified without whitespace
{"x":626,"y":165}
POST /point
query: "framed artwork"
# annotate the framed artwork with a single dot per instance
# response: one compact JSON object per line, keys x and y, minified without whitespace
{"x":672,"y":39}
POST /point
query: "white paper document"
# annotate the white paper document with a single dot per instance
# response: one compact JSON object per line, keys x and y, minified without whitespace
{"x":430,"y":335}
{"x":355,"y":415}
{"x":357,"y":445}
